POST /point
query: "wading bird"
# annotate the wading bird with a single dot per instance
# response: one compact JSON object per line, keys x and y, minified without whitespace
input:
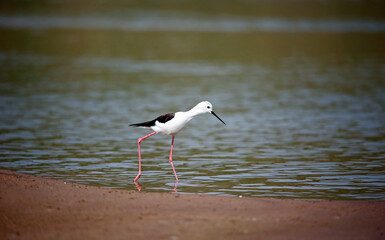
{"x":171,"y":124}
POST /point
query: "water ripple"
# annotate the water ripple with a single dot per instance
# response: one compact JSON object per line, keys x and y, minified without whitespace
{"x":162,"y":22}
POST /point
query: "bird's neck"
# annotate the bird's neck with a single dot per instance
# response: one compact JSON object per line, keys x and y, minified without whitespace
{"x":193,"y":112}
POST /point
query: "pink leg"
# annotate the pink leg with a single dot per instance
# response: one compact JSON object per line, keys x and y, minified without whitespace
{"x":172,"y":165}
{"x":140,"y":163}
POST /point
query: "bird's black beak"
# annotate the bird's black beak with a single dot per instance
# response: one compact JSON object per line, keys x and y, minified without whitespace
{"x":218,"y":117}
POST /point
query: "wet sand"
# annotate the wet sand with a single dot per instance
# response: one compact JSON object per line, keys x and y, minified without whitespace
{"x":38,"y":208}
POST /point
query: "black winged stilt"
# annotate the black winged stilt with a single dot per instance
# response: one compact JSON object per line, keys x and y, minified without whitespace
{"x":171,"y":124}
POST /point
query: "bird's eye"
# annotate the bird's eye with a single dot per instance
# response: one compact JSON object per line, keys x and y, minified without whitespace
{"x":208,"y":107}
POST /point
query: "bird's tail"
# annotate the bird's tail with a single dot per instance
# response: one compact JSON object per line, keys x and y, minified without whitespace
{"x":143,"y":124}
{"x":134,"y":125}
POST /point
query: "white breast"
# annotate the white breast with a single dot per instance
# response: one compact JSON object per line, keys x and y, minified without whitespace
{"x":173,"y":126}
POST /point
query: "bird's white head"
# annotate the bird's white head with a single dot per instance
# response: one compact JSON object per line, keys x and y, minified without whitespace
{"x":206,"y":107}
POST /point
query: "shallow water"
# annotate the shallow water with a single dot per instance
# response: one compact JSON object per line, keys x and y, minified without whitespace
{"x":304,"y":107}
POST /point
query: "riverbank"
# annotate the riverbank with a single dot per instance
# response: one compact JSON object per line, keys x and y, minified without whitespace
{"x":39,"y":208}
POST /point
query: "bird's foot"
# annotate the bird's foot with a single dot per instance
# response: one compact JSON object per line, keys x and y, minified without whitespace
{"x":137,"y":177}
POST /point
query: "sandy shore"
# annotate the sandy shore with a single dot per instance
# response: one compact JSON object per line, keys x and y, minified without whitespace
{"x":38,"y":208}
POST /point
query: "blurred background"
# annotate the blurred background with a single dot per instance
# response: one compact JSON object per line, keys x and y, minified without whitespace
{"x":300,"y":84}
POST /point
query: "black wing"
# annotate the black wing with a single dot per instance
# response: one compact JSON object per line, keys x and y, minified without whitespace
{"x":162,"y":119}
